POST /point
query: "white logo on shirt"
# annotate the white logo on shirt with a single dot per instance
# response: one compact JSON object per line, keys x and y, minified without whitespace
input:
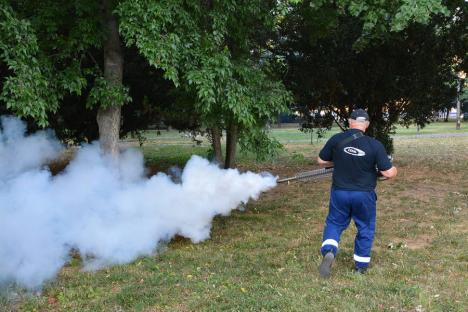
{"x":354,"y":151}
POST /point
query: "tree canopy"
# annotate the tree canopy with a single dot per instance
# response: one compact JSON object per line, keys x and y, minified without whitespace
{"x":213,"y":65}
{"x":211,"y":50}
{"x":401,"y":75}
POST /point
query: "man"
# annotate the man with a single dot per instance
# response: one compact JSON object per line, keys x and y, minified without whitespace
{"x":356,"y":159}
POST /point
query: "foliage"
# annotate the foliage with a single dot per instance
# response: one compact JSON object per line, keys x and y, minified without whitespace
{"x":51,"y":49}
{"x":27,"y":89}
{"x":212,"y":51}
{"x":225,"y":63}
{"x":261,"y":144}
{"x":379,"y":17}
{"x":464,"y":93}
{"x":153,"y":104}
{"x":106,"y":94}
{"x":403,"y":74}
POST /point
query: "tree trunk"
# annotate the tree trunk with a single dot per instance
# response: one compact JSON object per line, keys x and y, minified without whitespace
{"x":216,"y":144}
{"x":231,"y":145}
{"x":108,"y":119}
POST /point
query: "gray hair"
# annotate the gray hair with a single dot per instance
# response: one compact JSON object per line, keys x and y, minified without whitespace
{"x":359,"y":120}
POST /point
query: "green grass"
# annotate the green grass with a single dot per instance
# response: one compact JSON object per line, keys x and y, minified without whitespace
{"x":288,"y":134}
{"x":266,"y":258}
{"x":291,"y":135}
{"x":433,"y":128}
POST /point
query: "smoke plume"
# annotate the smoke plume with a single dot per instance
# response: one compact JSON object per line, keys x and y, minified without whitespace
{"x":108,"y":211}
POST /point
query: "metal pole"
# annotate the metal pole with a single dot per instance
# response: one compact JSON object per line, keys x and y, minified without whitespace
{"x":308,"y":175}
{"x":458,"y":104}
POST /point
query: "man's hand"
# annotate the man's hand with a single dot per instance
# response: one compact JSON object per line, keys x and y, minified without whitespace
{"x":390,"y":173}
{"x":326,"y":163}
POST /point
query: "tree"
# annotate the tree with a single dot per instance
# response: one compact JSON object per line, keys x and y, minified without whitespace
{"x":213,"y":50}
{"x":49,"y":49}
{"x":217,"y":53}
{"x":108,"y":116}
{"x":341,"y":64}
{"x":26,"y":85}
{"x":153,"y":104}
{"x":214,"y":57}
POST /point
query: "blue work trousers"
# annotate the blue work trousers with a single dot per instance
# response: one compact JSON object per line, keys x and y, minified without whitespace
{"x":344,"y":205}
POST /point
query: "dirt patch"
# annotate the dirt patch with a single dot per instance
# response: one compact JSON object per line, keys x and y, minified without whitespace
{"x":178,"y":307}
{"x":179,"y":241}
{"x":461,"y":228}
{"x":425,"y":185}
{"x":58,"y":165}
{"x":415,"y":243}
{"x":419,"y":242}
{"x":424,"y":192}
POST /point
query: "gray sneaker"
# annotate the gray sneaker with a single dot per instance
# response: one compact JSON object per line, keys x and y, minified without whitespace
{"x":325,"y":266}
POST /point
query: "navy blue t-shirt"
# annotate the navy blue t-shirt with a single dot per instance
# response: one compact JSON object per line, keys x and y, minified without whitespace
{"x":355,"y":162}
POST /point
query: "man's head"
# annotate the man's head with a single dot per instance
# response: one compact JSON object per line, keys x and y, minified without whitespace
{"x":359,"y":119}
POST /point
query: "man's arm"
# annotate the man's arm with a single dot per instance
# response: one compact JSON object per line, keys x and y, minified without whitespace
{"x":325,"y":157}
{"x":326,"y":163}
{"x":390,"y":173}
{"x":384,"y":164}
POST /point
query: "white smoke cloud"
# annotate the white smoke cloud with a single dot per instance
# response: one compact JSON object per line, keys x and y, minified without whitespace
{"x":106,"y":210}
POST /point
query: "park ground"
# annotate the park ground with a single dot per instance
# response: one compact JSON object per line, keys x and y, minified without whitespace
{"x":265,"y":258}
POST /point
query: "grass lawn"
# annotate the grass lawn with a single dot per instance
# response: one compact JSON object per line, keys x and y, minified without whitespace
{"x":265,"y":258}
{"x":291,"y":134}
